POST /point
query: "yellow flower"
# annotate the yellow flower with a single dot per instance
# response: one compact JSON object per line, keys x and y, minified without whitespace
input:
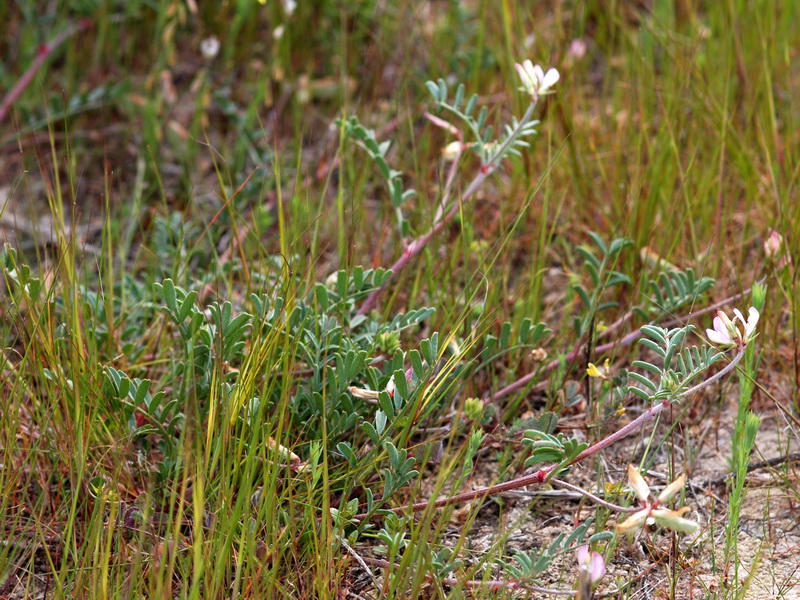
{"x":595,"y":371}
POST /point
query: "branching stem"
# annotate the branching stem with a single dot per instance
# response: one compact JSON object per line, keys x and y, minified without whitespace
{"x":627,"y":340}
{"x":593,"y":498}
{"x":541,"y":475}
{"x":417,"y":245}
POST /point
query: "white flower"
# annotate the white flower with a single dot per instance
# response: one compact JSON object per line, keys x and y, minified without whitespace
{"x":364,"y":394}
{"x":727,"y":333}
{"x":652,"y":513}
{"x":750,"y":324}
{"x":209,"y":48}
{"x":289,"y":6}
{"x":535,"y":82}
{"x":721,"y":334}
{"x":372,"y":396}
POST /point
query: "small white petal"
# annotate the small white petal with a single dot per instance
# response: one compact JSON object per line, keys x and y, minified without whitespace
{"x":362,"y":393}
{"x":722,"y":339}
{"x":209,"y":47}
{"x":638,"y":484}
{"x":635,"y":521}
{"x":538,"y":73}
{"x":673,"y":488}
{"x":452,"y":151}
{"x":723,"y":327}
{"x":529,"y":71}
{"x":752,"y":321}
{"x":672,"y":520}
{"x":550,"y":79}
{"x":525,"y":78}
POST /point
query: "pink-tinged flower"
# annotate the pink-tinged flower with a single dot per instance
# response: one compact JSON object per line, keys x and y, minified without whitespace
{"x":721,"y":334}
{"x":773,"y":245}
{"x":577,"y":49}
{"x":727,"y":333}
{"x":775,"y":251}
{"x":535,"y":82}
{"x":652,"y":511}
{"x":591,"y":565}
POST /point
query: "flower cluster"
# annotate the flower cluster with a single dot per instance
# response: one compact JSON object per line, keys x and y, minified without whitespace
{"x":535,"y":82}
{"x":728,"y":334}
{"x":652,"y":513}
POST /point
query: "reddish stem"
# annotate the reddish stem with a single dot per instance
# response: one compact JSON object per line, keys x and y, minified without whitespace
{"x":416,"y":246}
{"x":540,"y":476}
{"x":44,"y":52}
{"x":625,"y":341}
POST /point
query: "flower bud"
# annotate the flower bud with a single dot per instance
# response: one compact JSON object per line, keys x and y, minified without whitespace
{"x":773,"y":245}
{"x":452,"y":151}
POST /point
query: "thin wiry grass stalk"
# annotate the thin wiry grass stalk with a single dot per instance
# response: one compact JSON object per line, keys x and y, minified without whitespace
{"x":593,"y":498}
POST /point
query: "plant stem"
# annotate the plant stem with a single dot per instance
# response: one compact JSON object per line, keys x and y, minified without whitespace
{"x":678,"y":320}
{"x":417,"y":245}
{"x":540,"y":476}
{"x":45,"y":50}
{"x":595,"y":499}
{"x":578,"y":350}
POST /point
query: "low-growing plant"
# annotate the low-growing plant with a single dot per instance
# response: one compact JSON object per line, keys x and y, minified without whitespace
{"x":325,"y":403}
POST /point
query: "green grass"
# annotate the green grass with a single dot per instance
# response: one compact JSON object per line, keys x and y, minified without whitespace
{"x":131,"y":161}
